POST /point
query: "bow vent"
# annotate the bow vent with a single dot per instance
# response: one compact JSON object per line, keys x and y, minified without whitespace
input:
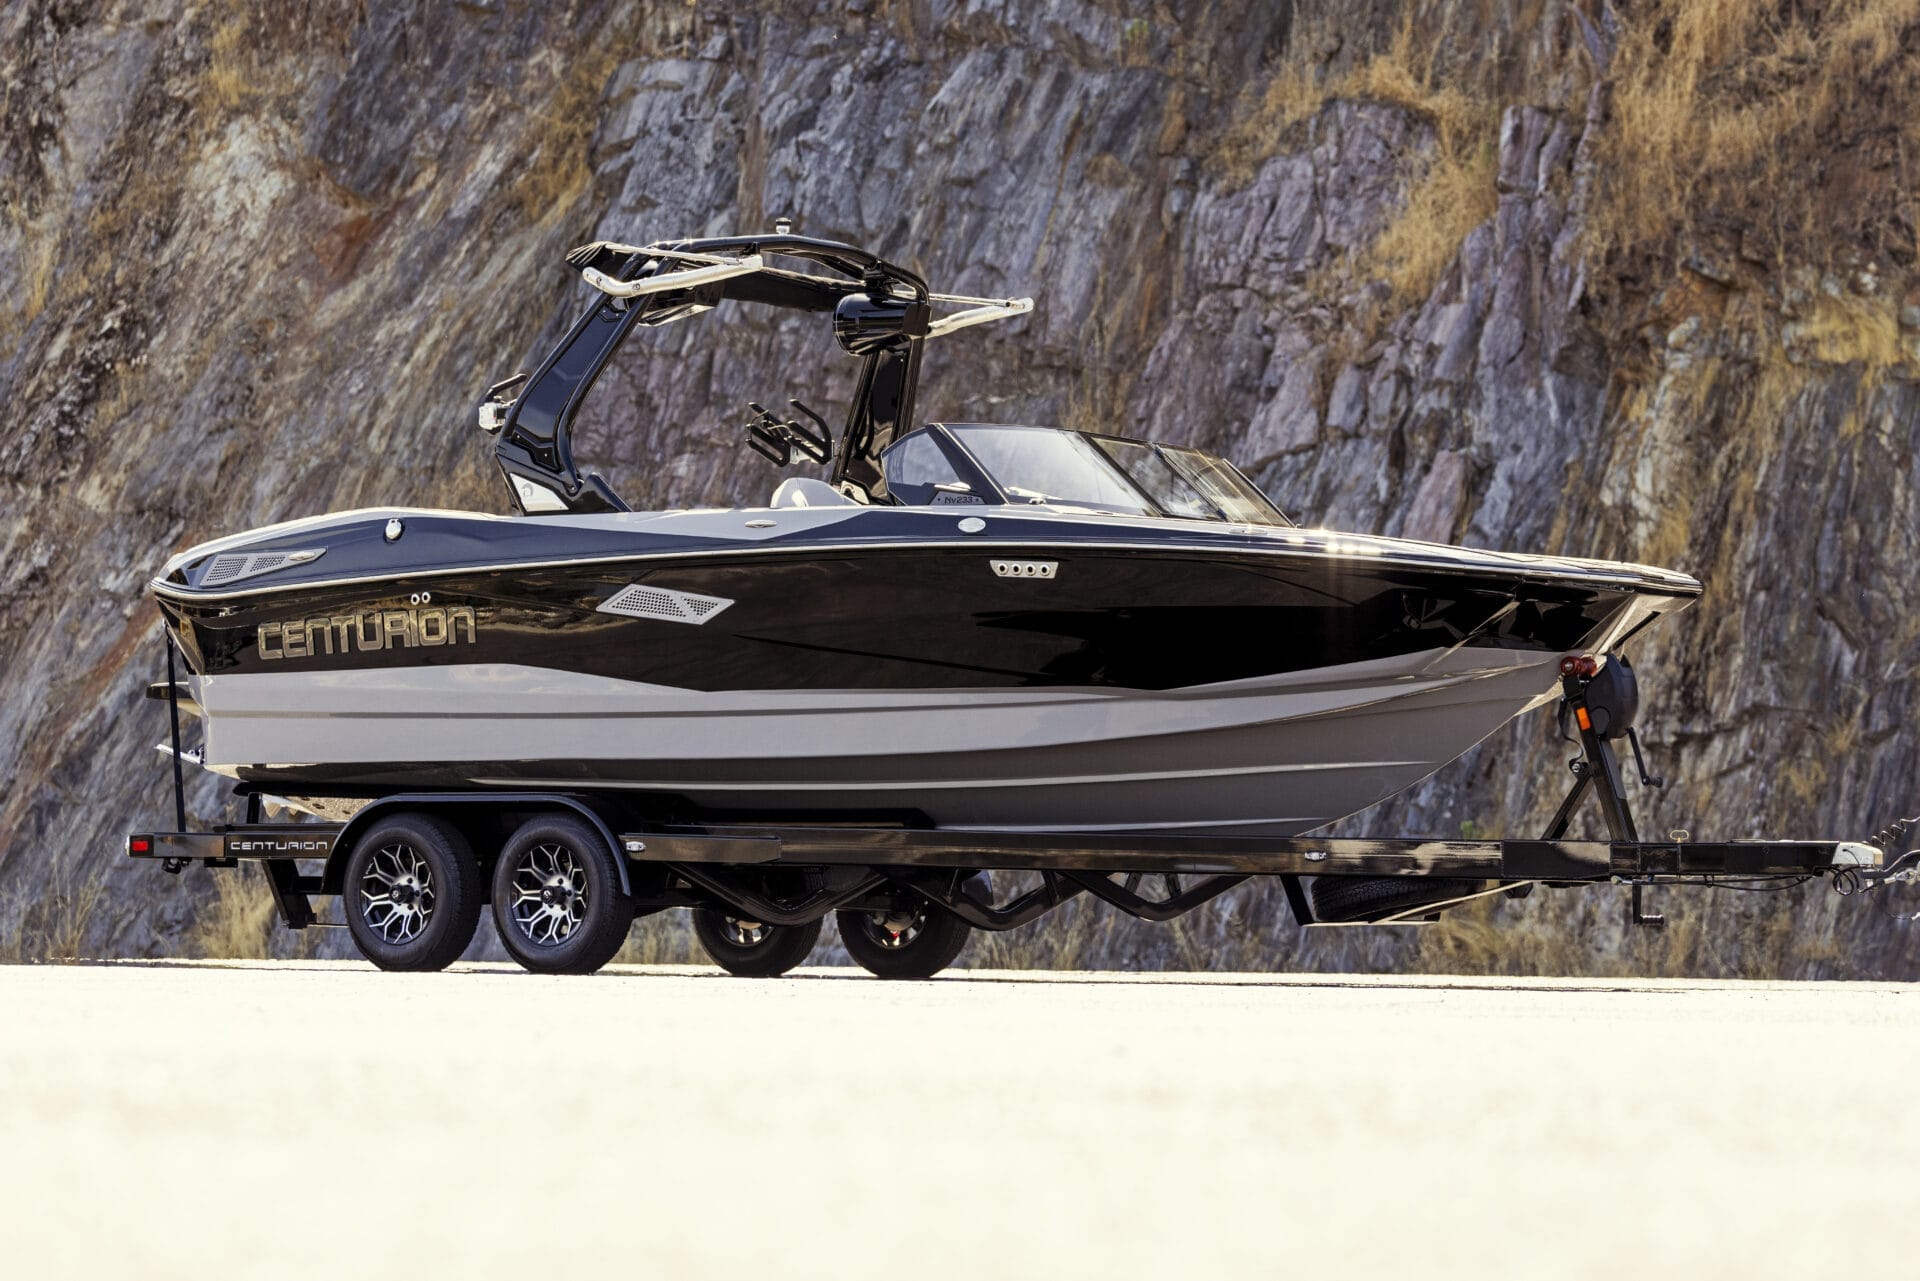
{"x":635,"y":601}
{"x":231,"y":567}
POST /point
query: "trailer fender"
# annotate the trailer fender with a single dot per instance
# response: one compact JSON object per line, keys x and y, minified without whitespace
{"x":444,"y":803}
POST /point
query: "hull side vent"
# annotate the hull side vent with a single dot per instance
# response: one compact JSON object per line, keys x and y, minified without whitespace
{"x":635,"y":601}
{"x":232,"y":567}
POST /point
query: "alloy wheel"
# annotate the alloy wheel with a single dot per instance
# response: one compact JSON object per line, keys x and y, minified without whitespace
{"x":397,"y":893}
{"x":549,"y":894}
{"x":744,"y":933}
{"x":895,"y":929}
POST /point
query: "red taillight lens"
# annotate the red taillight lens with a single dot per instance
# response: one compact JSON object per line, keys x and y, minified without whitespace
{"x":139,"y":845}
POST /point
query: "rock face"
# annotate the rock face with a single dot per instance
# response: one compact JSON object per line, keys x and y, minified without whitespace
{"x":252,"y":271}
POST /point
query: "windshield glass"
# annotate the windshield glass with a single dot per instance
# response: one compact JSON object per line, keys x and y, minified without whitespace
{"x":1170,"y":490}
{"x":1040,"y":465}
{"x":1076,"y":469}
{"x":1238,"y":498}
{"x":920,"y":475}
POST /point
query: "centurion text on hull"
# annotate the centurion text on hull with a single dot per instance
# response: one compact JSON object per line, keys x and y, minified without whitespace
{"x":970,"y":646}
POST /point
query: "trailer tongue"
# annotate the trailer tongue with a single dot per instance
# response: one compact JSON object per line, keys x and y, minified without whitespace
{"x":907,"y":895}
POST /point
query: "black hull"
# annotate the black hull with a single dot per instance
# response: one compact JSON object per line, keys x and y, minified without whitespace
{"x":909,"y":618}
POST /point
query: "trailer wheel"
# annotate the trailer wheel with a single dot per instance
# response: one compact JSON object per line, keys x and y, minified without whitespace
{"x":911,"y":942}
{"x":557,"y":902}
{"x":412,"y":893}
{"x":752,"y":949}
{"x":1348,"y":899}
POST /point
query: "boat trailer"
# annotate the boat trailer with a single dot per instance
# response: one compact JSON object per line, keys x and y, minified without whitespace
{"x":790,"y":874}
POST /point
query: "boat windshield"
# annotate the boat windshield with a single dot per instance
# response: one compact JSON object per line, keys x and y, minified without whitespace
{"x":1038,"y":465}
{"x":1111,"y":474}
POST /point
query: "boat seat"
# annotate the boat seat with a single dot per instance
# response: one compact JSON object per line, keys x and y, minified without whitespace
{"x":805,"y":491}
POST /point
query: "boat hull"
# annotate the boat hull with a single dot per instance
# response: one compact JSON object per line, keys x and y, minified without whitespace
{"x":1277,"y":755}
{"x":1033,"y":671}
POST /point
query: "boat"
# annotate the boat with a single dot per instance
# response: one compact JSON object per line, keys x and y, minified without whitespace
{"x":953,"y":626}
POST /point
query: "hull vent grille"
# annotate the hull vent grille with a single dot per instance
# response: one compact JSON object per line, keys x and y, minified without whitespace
{"x":232,"y":567}
{"x":635,"y":601}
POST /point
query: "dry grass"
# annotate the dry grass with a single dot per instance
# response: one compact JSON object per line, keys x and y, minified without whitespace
{"x":1074,"y":937}
{"x":239,"y":922}
{"x":38,"y":243}
{"x":1721,"y":108}
{"x":233,"y":77}
{"x":558,"y":169}
{"x":37,"y":286}
{"x":54,"y":920}
{"x":258,"y":53}
{"x":1294,"y":94}
{"x":1851,"y":330}
{"x":1407,"y":73}
{"x":1454,"y":196}
{"x":665,"y":938}
{"x":1541,"y":937}
{"x":1778,"y":135}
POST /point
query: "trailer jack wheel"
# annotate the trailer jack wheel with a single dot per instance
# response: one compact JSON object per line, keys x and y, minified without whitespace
{"x":752,"y":949}
{"x":913,"y":941}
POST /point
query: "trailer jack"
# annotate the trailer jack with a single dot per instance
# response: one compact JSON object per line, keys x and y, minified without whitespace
{"x":1598,"y":768}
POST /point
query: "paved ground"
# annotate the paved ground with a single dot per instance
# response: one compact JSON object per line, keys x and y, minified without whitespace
{"x":324,"y":1120}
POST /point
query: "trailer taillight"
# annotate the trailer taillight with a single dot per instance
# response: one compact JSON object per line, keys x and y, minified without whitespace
{"x":139,"y":845}
{"x":1580,"y":665}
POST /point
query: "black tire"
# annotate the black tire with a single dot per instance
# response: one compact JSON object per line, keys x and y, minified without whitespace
{"x":557,"y":901}
{"x":750,"y":949}
{"x":1337,"y":899}
{"x":916,"y":942}
{"x":412,"y":894}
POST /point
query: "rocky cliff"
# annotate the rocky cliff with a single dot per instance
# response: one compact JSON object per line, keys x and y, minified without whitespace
{"x":1634,"y":281}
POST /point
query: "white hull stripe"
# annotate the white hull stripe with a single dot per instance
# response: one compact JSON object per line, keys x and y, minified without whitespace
{"x":868,"y":785}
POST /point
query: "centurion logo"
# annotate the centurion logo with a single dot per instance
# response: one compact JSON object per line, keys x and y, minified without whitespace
{"x":283,"y":845}
{"x":368,"y":631}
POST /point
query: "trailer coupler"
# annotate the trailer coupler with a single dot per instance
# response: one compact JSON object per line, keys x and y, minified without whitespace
{"x":1865,"y":879}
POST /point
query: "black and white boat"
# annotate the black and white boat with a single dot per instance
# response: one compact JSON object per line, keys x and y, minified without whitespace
{"x":966,"y":626}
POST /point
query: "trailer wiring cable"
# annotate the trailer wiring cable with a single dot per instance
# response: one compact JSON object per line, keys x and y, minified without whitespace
{"x":1855,"y":886}
{"x":1751,"y":887}
{"x":1848,"y":881}
{"x":1894,"y":833}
